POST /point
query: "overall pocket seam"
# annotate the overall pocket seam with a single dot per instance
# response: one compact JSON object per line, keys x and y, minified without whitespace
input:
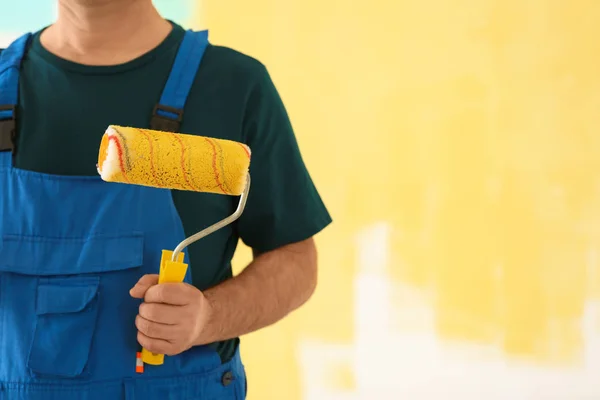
{"x":97,"y":253}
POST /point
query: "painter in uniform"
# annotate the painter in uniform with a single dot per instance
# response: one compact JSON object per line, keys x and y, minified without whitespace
{"x":72,"y":246}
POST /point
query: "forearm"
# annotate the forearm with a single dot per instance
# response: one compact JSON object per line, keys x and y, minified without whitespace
{"x":273,"y":285}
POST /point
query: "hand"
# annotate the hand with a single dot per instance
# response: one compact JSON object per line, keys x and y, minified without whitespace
{"x":172,"y":317}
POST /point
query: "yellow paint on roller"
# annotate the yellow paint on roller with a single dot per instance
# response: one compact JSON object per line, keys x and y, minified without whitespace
{"x":173,"y":161}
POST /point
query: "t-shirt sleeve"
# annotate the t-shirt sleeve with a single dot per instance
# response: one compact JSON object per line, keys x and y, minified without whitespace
{"x":284,"y":205}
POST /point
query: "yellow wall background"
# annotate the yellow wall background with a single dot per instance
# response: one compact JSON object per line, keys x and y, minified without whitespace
{"x":468,"y":130}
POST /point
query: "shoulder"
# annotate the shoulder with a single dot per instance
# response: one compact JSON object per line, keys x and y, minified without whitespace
{"x":234,"y":68}
{"x":232,"y":60}
{"x":237,"y":82}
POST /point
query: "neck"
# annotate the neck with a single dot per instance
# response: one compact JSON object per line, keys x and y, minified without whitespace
{"x":105,"y":32}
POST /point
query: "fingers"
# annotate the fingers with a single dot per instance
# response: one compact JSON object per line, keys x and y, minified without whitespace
{"x":140,"y":288}
{"x":156,"y":346}
{"x":155,"y":330}
{"x":171,"y":317}
{"x":152,"y":329}
{"x":177,"y":294}
{"x":160,"y":313}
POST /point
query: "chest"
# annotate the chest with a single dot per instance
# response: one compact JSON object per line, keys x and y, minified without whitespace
{"x":63,"y":115}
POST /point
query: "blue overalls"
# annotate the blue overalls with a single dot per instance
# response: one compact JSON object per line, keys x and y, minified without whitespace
{"x":71,"y":247}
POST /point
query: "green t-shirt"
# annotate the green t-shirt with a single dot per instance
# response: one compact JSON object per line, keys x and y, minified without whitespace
{"x":65,"y":108}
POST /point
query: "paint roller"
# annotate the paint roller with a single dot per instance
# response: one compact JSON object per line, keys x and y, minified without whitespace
{"x":175,"y":161}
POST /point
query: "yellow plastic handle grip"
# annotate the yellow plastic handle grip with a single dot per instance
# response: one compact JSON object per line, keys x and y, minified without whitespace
{"x":170,"y":272}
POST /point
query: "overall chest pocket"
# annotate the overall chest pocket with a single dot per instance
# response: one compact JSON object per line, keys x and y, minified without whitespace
{"x":67,"y":287}
{"x":66,"y":314}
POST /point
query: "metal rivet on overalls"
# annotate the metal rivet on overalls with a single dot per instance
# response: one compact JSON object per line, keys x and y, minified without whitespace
{"x":227,"y":378}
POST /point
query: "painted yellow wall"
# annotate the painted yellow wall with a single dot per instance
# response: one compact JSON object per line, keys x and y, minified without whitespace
{"x":470,"y":129}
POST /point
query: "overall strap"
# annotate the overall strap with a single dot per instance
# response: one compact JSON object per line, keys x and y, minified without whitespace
{"x":168,"y":113}
{"x":10,"y":65}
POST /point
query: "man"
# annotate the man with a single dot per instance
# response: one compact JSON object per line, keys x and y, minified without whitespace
{"x":72,"y":316}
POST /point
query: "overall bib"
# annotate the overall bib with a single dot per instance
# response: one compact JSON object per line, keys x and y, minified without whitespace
{"x":71,"y":247}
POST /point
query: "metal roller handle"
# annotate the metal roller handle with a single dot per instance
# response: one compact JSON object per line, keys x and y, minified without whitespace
{"x":213,"y":228}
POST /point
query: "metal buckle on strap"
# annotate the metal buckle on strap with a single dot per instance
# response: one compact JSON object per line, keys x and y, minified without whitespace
{"x":167,"y":124}
{"x":8,"y":129}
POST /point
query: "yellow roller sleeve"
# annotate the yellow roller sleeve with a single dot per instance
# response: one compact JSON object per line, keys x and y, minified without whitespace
{"x":173,"y":161}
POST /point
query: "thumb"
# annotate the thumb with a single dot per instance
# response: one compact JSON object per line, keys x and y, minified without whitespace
{"x":140,"y":288}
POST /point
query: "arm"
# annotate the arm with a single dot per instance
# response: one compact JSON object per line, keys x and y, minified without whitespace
{"x":283,"y":210}
{"x":177,"y":316}
{"x":273,"y":285}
